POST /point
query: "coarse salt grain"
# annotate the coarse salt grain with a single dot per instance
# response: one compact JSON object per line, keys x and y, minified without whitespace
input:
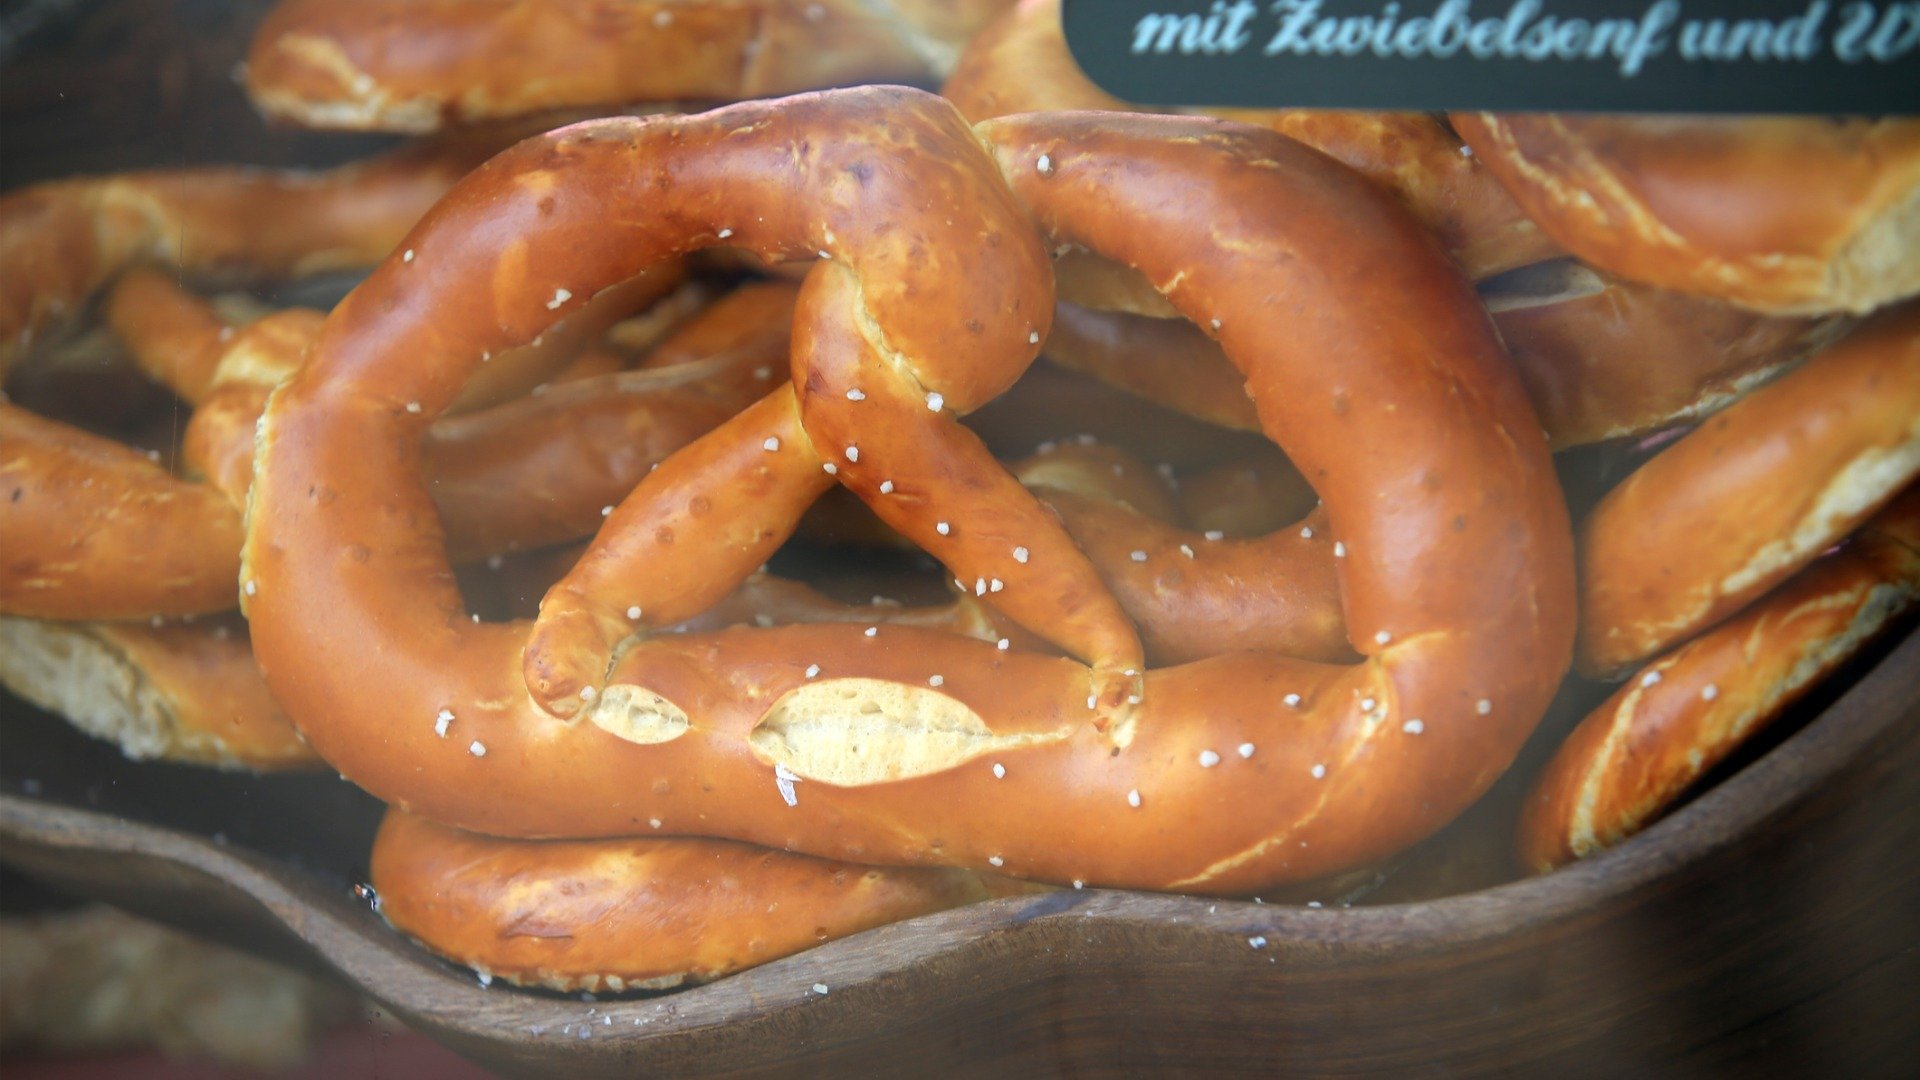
{"x":1413,"y":727}
{"x":1318,"y":771}
{"x":996,"y":860}
{"x":634,"y":612}
{"x":1709,"y":692}
{"x":1187,"y":551}
{"x":1257,"y":942}
{"x":1003,"y":644}
{"x":1292,"y":701}
{"x":1020,"y":555}
{"x":1339,"y":549}
{"x":1208,"y":759}
{"x":1649,"y":678}
{"x":829,"y":467}
{"x":406,"y":256}
{"x":1137,"y":555}
{"x":724,"y":233}
{"x":886,"y":487}
{"x":1382,"y":638}
{"x":1033,"y":338}
{"x":999,"y":771}
{"x":1483,"y":707}
{"x":853,"y":453}
{"x":996,"y":585}
{"x":1045,"y":165}
{"x":813,"y":671}
{"x":856,"y":395}
{"x":1133,"y":798}
{"x":935,"y":402}
{"x":871,"y":631}
{"x":441,"y":722}
{"x":560,"y":296}
{"x":942,"y":528}
{"x":477,"y":748}
{"x":1246,"y":749}
{"x":936,"y":680}
{"x":413,"y":407}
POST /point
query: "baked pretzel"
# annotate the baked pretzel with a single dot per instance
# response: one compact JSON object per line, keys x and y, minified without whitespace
{"x":1459,"y":595}
{"x":1780,"y":214}
{"x":1020,"y":63}
{"x":185,"y":692}
{"x":95,"y":530}
{"x":1605,"y":358}
{"x":635,"y":914}
{"x":420,"y":65}
{"x":1687,"y":711}
{"x":1602,"y":358}
{"x":1723,"y":515}
{"x":61,"y":241}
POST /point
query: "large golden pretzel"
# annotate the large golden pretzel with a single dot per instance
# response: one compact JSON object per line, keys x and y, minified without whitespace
{"x":896,"y":745}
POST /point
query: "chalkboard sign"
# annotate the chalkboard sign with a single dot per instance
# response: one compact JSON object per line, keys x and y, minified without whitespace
{"x":1759,"y":56}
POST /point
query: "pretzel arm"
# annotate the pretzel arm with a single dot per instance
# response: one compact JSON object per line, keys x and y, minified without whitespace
{"x":691,"y":532}
{"x":61,"y":241}
{"x":1685,"y":712}
{"x":393,"y":65}
{"x":1746,"y":499}
{"x":943,"y":489}
{"x":642,"y":914}
{"x":95,"y":530}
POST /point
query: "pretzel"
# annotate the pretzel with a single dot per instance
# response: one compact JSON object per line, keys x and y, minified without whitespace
{"x":61,"y":241}
{"x":95,"y":530}
{"x":1798,"y":215}
{"x":418,"y":66}
{"x":1629,"y":760}
{"x":1602,"y":358}
{"x":1605,"y":358}
{"x":635,"y":914}
{"x":1460,"y":597}
{"x":1020,"y":63}
{"x":1734,"y":508}
{"x":184,"y":692}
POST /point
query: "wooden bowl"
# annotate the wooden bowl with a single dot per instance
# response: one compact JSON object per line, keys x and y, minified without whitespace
{"x":1770,"y":922}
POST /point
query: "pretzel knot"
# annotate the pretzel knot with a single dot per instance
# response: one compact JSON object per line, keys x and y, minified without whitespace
{"x":891,"y":744}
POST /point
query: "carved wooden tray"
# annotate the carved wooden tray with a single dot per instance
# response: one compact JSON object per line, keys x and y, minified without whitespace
{"x":1770,"y":922}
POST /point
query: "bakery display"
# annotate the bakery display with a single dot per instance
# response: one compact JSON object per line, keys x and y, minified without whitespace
{"x":1287,"y":642}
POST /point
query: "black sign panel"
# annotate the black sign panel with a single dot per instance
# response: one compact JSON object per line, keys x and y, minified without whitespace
{"x":1757,"y":56}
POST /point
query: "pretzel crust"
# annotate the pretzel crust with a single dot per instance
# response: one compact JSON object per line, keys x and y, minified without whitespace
{"x":1684,"y":713}
{"x":1751,"y":496}
{"x":1723,"y":208}
{"x":1469,"y":577}
{"x":640,"y":914}
{"x":418,"y":66}
{"x":185,"y":692}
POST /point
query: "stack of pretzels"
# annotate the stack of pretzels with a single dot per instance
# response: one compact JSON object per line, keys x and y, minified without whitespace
{"x":1282,"y":620}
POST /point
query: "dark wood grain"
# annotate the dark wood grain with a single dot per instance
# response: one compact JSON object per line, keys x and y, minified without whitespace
{"x":1766,"y":927}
